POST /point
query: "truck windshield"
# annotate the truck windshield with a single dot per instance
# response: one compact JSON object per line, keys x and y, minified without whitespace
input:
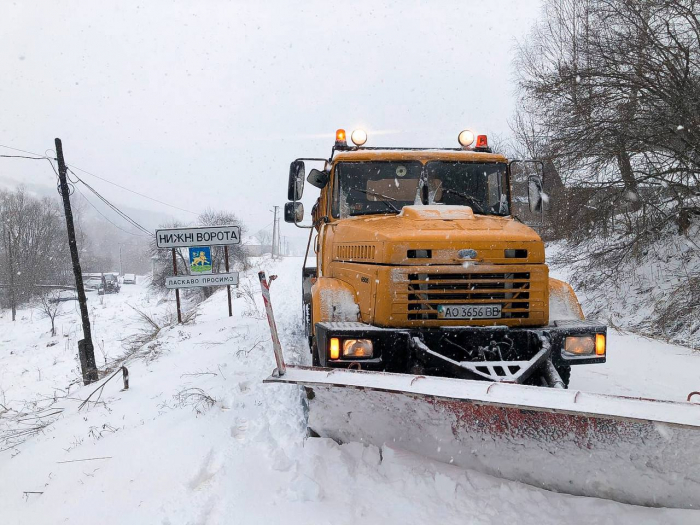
{"x":482,"y":186}
{"x":366,"y":188}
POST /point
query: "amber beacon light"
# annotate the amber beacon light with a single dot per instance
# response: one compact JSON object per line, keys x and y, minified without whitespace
{"x":340,"y":138}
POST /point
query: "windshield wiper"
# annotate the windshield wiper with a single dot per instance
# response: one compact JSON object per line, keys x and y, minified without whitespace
{"x":470,"y":198}
{"x":385,"y":197}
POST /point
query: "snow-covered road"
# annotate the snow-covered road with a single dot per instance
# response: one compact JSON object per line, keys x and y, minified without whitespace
{"x":198,"y":439}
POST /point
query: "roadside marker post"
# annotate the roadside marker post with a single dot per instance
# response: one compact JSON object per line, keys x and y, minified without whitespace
{"x":276,"y":345}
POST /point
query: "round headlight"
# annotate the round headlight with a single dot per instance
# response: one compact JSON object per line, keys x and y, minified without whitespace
{"x":466,"y":138}
{"x":358,"y":137}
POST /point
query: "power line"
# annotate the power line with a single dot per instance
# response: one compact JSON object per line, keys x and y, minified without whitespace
{"x":132,"y":191}
{"x":107,"y":218}
{"x":103,"y":199}
{"x":22,"y":151}
{"x":39,"y":156}
{"x":112,"y":206}
{"x":21,"y":157}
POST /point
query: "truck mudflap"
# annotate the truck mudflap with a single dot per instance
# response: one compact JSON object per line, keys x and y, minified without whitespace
{"x":631,"y":450}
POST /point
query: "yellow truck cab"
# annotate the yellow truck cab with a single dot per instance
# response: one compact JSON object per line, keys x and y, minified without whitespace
{"x":421,"y":267}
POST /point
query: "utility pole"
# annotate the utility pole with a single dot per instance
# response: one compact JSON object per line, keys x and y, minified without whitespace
{"x":86,"y":350}
{"x":274,"y":234}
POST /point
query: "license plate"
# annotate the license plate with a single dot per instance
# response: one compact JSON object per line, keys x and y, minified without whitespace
{"x":469,"y":311}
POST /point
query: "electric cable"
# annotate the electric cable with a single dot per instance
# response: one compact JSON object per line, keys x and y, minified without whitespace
{"x":21,"y":157}
{"x":107,"y":218}
{"x":38,"y":156}
{"x":130,"y":190}
{"x":112,"y":206}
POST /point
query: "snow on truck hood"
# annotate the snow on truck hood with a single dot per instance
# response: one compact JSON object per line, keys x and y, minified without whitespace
{"x":438,"y":228}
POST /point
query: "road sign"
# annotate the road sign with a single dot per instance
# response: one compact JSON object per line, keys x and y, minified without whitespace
{"x":200,"y":259}
{"x":201,"y":281}
{"x":202,"y":236}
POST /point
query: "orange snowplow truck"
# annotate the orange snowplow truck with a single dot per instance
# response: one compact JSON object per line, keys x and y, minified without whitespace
{"x":422,"y":268}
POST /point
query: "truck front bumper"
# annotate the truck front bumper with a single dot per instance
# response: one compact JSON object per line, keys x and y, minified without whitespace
{"x":392,"y":347}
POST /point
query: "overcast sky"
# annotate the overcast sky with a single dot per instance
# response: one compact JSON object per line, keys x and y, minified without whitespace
{"x":204,"y":104}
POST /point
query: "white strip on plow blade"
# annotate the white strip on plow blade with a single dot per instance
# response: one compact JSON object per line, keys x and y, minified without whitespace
{"x":631,"y":450}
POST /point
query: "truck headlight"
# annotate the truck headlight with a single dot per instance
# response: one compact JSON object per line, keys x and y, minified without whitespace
{"x":357,"y":348}
{"x":580,"y":345}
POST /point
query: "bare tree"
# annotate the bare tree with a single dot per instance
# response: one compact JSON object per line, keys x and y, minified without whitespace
{"x":49,"y":306}
{"x":608,"y":94}
{"x":34,"y":238}
{"x":609,"y":97}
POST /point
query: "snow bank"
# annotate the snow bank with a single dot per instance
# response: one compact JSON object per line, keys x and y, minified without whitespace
{"x":657,"y":294}
{"x":161,"y":453}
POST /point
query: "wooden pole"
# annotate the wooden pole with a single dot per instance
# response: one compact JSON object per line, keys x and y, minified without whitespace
{"x":177,"y":290}
{"x":85,"y":347}
{"x":228,"y":286}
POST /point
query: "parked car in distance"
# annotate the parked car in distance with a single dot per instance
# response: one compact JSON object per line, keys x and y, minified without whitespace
{"x":92,"y":281}
{"x":129,"y":278}
{"x":111,"y":284}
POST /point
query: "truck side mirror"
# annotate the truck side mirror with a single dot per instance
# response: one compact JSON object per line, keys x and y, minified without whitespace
{"x":293,"y":212}
{"x":534,"y":193}
{"x":295,"y":187}
{"x":318,"y":178}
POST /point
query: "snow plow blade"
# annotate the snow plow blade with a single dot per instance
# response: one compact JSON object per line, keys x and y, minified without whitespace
{"x":631,"y":450}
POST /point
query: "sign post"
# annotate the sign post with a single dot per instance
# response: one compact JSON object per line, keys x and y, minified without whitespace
{"x":199,"y":241}
{"x":228,"y":286}
{"x":177,"y":292}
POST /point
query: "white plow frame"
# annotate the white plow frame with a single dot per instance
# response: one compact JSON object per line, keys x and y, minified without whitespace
{"x":631,"y":450}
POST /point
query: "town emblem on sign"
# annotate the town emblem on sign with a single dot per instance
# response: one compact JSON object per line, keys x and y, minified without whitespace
{"x":200,"y":259}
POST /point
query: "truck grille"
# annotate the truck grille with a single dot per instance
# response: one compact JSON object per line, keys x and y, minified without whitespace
{"x":427,"y":291}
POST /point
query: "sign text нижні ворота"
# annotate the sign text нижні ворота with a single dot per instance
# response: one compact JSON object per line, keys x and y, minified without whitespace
{"x":204,"y":236}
